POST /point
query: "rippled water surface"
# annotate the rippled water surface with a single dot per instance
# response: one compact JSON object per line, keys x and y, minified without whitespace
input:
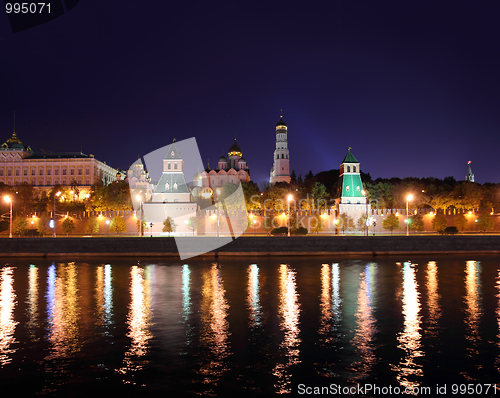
{"x":244,"y":327}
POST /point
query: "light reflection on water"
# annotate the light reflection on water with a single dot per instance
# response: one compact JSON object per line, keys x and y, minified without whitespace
{"x":289,"y":313}
{"x":409,"y":372}
{"x":139,"y":322}
{"x":365,"y":324}
{"x":221,"y":312}
{"x":215,"y":327}
{"x":7,"y":323}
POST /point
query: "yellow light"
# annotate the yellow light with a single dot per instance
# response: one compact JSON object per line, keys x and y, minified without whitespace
{"x":218,"y":190}
{"x":363,"y":192}
{"x":290,"y":197}
{"x":59,"y":193}
{"x":255,"y":221}
{"x":410,"y":197}
{"x":138,"y":198}
{"x":324,"y":215}
{"x":6,"y":198}
{"x":470,"y":212}
{"x":432,"y":213}
{"x":100,"y":216}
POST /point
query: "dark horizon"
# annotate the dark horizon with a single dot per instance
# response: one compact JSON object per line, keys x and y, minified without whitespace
{"x":412,"y":87}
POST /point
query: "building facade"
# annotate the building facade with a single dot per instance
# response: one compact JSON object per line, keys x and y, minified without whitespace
{"x":19,"y":164}
{"x":280,"y":172}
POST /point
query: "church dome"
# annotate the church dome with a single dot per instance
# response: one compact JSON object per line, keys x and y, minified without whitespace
{"x":197,"y":176}
{"x":223,"y":159}
{"x":235,"y":150}
{"x":242,"y":160}
{"x":13,"y":143}
{"x":281,"y":122}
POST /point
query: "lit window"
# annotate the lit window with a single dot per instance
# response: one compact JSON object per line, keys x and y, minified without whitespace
{"x":56,"y":172}
{"x":80,"y":172}
{"x":72,"y":172}
{"x":9,"y":172}
{"x":48,"y":172}
{"x":167,"y":186}
{"x":347,"y":188}
{"x":25,"y":172}
{"x":40,"y":172}
{"x":64,"y":172}
{"x":357,"y":188}
{"x":175,"y":185}
{"x":17,"y":172}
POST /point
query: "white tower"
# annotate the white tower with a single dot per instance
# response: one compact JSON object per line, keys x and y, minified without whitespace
{"x":281,"y":167}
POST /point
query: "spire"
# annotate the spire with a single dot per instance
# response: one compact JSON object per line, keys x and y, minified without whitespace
{"x":349,"y":158}
{"x":470,"y":176}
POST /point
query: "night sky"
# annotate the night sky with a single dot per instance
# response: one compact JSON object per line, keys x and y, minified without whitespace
{"x":412,"y":86}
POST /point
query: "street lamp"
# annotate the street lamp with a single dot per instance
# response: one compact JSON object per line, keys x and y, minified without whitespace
{"x":290,"y":197}
{"x":138,"y":197}
{"x":408,"y":198}
{"x":54,"y":215}
{"x":7,"y":199}
{"x":363,"y":192}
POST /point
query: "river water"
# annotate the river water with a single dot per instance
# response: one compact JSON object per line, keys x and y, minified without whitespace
{"x":250,"y":326}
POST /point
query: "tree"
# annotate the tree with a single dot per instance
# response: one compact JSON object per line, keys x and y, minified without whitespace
{"x":253,"y":198}
{"x":416,"y":223}
{"x":193,"y":224}
{"x":439,"y":223}
{"x":345,"y":222}
{"x":461,"y":222}
{"x":169,"y":225}
{"x":92,"y":226}
{"x":361,"y":223}
{"x":68,"y":226}
{"x":43,"y":226}
{"x":118,"y":225}
{"x":485,"y":223}
{"x":318,"y":225}
{"x":318,"y":194}
{"x":140,"y":224}
{"x":19,"y":226}
{"x":391,"y":222}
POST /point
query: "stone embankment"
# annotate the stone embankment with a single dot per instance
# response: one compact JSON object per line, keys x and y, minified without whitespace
{"x":252,"y":246}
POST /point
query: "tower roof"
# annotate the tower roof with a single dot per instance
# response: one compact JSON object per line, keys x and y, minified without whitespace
{"x":235,"y":149}
{"x":349,"y":158}
{"x":223,"y":159}
{"x":281,"y":122}
{"x":173,"y":152}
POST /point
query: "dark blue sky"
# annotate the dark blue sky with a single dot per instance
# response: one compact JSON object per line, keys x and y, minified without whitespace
{"x":412,"y":86}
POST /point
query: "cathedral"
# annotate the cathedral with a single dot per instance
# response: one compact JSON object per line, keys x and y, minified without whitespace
{"x":280,"y":171}
{"x":233,"y":169}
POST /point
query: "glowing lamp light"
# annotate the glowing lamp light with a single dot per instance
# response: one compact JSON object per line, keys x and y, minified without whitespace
{"x":290,"y":197}
{"x":409,"y":197}
{"x":470,"y":212}
{"x":51,"y":223}
{"x":6,"y":198}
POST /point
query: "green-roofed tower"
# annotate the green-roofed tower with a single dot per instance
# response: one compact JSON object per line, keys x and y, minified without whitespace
{"x":351,"y":199}
{"x":350,"y":184}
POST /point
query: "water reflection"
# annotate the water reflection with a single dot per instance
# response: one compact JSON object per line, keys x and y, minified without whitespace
{"x":7,"y":323}
{"x":330,"y":302}
{"x":62,"y":310}
{"x":433,"y":298}
{"x":472,"y":302}
{"x":289,"y":311}
{"x":186,"y":304}
{"x":104,"y":297}
{"x":32,"y":303}
{"x":215,"y":334}
{"x":408,"y":371}
{"x":365,"y":324}
{"x":138,"y":320}
{"x":253,"y":297}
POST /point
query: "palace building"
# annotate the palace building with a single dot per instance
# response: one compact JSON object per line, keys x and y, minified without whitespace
{"x":280,"y":171}
{"x":19,"y":164}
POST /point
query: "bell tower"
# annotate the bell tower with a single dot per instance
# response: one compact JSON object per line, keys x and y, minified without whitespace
{"x":281,"y":166}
